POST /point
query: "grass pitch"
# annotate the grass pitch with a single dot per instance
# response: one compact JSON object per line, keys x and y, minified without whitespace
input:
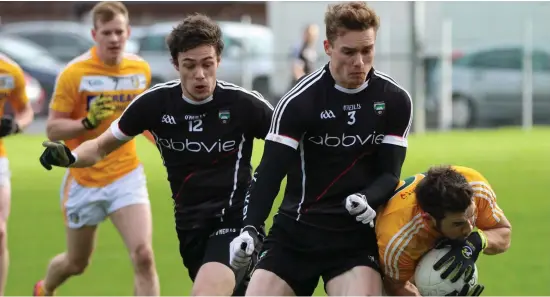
{"x":516,"y":163}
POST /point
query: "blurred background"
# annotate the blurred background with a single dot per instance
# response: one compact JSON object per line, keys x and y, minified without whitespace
{"x":466,"y":64}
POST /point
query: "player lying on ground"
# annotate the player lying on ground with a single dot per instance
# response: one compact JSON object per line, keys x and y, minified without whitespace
{"x":204,"y":130}
{"x":340,"y":133}
{"x":12,"y":90}
{"x":446,"y":203}
{"x":90,"y":93}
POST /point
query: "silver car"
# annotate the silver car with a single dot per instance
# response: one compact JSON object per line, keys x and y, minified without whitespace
{"x":236,"y":61}
{"x":65,"y":40}
{"x":487,"y":87}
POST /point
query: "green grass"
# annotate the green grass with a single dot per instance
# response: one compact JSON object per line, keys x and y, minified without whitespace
{"x":517,"y":164}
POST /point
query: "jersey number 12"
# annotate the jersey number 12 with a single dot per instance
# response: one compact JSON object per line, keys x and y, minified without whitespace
{"x":195,"y":126}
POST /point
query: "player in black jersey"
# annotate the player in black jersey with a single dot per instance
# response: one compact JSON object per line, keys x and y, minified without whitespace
{"x":204,"y":130}
{"x":340,"y":136}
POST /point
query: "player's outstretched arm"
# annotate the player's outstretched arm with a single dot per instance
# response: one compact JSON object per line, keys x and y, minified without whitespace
{"x":92,"y":151}
{"x":85,"y":155}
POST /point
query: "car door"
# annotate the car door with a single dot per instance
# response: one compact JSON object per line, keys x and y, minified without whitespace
{"x":541,"y":86}
{"x":497,"y":78}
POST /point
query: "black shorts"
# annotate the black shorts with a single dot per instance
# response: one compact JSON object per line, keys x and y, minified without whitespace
{"x":211,"y":244}
{"x":207,"y":244}
{"x":301,"y":254}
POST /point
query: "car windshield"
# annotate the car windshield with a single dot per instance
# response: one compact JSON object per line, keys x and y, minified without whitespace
{"x":26,"y":52}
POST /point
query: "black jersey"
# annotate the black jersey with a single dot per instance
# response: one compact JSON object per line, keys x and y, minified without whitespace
{"x":336,"y":133}
{"x":205,"y":146}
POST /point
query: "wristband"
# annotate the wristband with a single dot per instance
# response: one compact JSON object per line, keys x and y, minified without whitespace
{"x":87,"y":124}
{"x":483,"y":238}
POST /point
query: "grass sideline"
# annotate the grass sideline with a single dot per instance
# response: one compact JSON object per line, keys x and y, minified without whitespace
{"x":515,"y":163}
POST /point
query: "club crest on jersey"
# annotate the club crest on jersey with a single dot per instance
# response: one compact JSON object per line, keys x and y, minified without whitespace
{"x":225,"y":116}
{"x":379,"y":107}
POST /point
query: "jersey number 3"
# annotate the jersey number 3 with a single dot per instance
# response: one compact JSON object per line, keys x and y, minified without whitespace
{"x":351,"y":115}
{"x":195,"y":126}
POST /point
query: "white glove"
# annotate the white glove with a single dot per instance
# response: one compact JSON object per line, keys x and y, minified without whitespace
{"x":357,"y":206}
{"x":240,"y":250}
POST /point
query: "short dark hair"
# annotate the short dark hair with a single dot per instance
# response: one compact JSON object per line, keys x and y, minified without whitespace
{"x":443,"y":191}
{"x":353,"y":16}
{"x":106,"y":11}
{"x":194,"y":31}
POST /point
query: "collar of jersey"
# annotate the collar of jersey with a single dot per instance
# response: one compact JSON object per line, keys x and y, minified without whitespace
{"x":351,"y":91}
{"x":190,"y":101}
{"x":96,"y":58}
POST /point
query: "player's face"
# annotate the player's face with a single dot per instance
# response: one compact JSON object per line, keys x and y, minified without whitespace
{"x":458,"y":226}
{"x":110,"y":38}
{"x":197,"y":68}
{"x":351,"y":57}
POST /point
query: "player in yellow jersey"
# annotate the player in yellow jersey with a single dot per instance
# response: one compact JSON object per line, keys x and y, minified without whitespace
{"x":12,"y":90}
{"x":446,"y":203}
{"x":91,"y":92}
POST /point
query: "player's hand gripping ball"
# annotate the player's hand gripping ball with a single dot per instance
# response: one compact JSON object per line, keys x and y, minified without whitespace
{"x":429,"y":281}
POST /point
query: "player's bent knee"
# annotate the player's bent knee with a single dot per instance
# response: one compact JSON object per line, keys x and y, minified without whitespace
{"x":267,"y":283}
{"x":143,"y":257}
{"x":214,"y":279}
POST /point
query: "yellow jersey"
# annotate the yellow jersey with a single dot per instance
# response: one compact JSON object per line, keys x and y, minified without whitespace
{"x":12,"y":89}
{"x":86,"y":78}
{"x":402,"y":229}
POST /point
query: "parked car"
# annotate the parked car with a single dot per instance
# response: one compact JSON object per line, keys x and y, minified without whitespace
{"x":487,"y":87}
{"x":63,"y":39}
{"x":259,"y":41}
{"x":35,"y":60}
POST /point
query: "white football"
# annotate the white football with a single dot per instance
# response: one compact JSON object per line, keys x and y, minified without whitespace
{"x":428,"y":280}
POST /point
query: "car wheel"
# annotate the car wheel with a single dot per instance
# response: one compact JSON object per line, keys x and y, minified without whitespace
{"x":463,"y":112}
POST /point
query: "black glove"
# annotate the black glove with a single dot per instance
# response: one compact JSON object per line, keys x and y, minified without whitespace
{"x":468,"y":290}
{"x":462,"y":257}
{"x":56,"y":154}
{"x":8,"y":126}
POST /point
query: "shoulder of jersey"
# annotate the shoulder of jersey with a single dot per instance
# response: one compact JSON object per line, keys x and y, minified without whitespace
{"x":239,"y":91}
{"x":161,"y":88}
{"x":469,"y":173}
{"x":391,"y":84}
{"x":134,"y":58}
{"x":76,"y":63}
{"x":305,"y":87}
